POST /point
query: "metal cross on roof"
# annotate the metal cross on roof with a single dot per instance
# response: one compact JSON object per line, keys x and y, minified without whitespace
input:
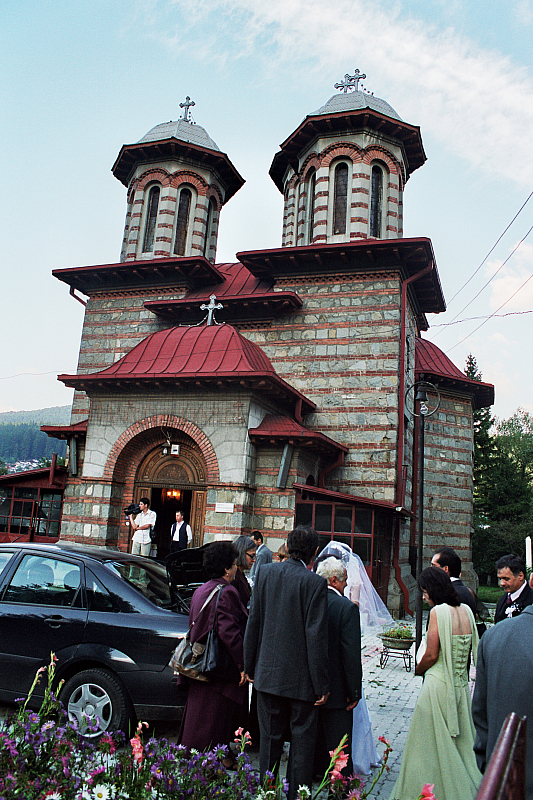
{"x":186,"y":105}
{"x":351,"y":82}
{"x":211,"y":308}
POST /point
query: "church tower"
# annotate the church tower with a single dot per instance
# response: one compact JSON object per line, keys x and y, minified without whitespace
{"x":343,"y":170}
{"x":177,"y":180}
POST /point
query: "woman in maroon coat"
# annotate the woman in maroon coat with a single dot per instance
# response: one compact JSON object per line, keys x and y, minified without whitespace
{"x":208,"y":718}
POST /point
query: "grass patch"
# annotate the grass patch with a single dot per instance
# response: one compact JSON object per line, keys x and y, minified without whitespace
{"x":489,"y":594}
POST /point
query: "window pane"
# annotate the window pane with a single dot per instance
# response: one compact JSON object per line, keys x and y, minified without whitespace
{"x":311,"y":185}
{"x":182,"y":222}
{"x":98,"y":598}
{"x":343,"y":519}
{"x":340,"y":198}
{"x":304,"y":514}
{"x":150,"y":580}
{"x":151,"y":217}
{"x":363,"y":521}
{"x":362,"y":547}
{"x":26,"y":493}
{"x":323,"y":517}
{"x":376,"y":203}
{"x":44,"y":581}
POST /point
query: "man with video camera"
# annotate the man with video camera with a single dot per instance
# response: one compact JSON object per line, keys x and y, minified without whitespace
{"x":142,"y":526}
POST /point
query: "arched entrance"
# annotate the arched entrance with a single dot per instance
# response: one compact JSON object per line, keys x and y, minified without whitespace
{"x":172,"y":482}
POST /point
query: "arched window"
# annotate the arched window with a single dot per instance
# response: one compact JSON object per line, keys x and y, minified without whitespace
{"x":376,"y":202}
{"x":151,"y":219}
{"x":311,"y":186}
{"x":209,"y":226}
{"x":182,"y":222}
{"x":340,"y":199}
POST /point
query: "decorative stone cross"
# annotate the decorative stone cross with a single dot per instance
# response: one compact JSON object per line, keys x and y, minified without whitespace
{"x":351,"y":82}
{"x":186,"y":105}
{"x":211,"y":308}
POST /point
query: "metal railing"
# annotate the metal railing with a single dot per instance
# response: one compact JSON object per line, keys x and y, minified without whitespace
{"x":505,"y":776}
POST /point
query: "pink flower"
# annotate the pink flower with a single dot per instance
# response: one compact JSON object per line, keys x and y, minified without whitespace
{"x":138,"y":750}
{"x":239,"y":731}
{"x":427,"y":792}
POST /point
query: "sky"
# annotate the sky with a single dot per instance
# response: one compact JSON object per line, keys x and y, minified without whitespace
{"x":80,"y":79}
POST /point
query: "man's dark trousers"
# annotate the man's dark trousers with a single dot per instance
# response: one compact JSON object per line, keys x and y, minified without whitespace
{"x":278,"y":716}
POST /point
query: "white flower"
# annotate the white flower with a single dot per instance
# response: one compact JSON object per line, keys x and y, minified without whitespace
{"x":101,"y":792}
{"x":303,"y":793}
{"x":53,"y":796}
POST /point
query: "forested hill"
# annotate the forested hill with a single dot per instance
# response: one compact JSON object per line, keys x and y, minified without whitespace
{"x":21,"y":438}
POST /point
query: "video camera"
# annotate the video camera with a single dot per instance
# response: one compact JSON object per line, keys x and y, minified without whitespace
{"x":133,"y":508}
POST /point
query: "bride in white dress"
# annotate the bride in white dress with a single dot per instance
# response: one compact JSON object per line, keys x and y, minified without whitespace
{"x":373,"y":614}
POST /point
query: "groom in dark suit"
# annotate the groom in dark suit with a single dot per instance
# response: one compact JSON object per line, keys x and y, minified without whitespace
{"x":335,"y":717}
{"x":286,"y":657}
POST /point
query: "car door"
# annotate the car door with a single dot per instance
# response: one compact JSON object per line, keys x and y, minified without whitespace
{"x":42,"y":610}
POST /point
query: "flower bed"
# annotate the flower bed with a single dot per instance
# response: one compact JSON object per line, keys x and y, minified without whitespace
{"x":43,"y":756}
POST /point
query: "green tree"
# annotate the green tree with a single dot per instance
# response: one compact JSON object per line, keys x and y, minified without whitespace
{"x":3,"y":468}
{"x":516,"y":438}
{"x":503,"y":494}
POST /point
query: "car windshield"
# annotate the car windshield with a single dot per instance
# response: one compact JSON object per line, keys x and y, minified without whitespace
{"x":149,"y":579}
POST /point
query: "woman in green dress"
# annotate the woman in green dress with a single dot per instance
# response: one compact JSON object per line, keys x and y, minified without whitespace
{"x":439,"y":747}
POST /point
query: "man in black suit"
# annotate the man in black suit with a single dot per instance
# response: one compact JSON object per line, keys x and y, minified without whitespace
{"x":335,"y":717}
{"x":263,"y":555}
{"x":447,"y":559}
{"x":511,"y":571}
{"x":286,"y":657}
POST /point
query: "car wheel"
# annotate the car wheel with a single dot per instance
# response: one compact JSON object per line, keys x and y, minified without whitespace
{"x":94,"y":697}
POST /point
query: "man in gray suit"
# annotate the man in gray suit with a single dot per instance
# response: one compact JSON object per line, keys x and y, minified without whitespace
{"x":504,"y":683}
{"x":286,"y":657}
{"x":263,"y":555}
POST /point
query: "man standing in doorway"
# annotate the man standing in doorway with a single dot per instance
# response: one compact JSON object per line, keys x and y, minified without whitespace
{"x":262,"y":554}
{"x":180,"y":533}
{"x":142,"y":526}
{"x":512,"y":572}
{"x":286,"y":657}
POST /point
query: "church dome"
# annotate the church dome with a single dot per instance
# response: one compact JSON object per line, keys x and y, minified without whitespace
{"x":354,"y":101}
{"x":183,"y":130}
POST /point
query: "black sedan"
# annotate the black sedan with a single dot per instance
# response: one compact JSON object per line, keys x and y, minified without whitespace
{"x":107,"y":617}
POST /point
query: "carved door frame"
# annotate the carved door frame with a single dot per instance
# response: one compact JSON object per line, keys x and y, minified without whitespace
{"x":186,"y":472}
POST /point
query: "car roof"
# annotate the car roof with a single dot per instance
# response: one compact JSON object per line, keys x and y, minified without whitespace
{"x":73,"y":548}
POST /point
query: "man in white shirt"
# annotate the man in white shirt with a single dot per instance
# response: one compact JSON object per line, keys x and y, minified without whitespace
{"x":511,"y":571}
{"x":180,"y":533}
{"x":141,"y":527}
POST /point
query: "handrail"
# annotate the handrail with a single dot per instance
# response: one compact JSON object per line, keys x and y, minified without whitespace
{"x":505,"y":776}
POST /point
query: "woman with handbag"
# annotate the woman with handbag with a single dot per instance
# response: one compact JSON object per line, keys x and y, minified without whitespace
{"x":208,"y":718}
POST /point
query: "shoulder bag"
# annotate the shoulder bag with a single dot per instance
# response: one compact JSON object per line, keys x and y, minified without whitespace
{"x":199,"y":660}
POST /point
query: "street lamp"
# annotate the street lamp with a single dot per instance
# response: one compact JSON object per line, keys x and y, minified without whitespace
{"x":421,"y":411}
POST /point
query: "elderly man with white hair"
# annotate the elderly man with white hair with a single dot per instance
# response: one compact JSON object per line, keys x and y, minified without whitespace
{"x":344,"y":665}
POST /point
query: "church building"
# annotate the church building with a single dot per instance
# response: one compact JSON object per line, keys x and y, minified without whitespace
{"x":279,"y":389}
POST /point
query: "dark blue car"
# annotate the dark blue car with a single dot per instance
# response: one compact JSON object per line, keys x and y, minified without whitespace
{"x":107,"y":617}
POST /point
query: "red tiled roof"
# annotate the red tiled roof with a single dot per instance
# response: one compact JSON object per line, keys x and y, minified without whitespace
{"x":192,"y":354}
{"x":275,"y":428}
{"x":432,"y":362}
{"x":244,"y":297}
{"x":66,"y":431}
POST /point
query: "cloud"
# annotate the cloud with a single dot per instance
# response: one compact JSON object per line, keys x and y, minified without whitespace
{"x":523,"y":11}
{"x":515,"y":281}
{"x":475,"y":101}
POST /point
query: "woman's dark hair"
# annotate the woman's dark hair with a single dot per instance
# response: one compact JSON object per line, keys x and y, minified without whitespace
{"x":219,"y":557}
{"x":302,"y":543}
{"x":439,"y":587}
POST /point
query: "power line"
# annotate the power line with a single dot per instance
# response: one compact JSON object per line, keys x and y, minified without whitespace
{"x":487,"y":316}
{"x":492,"y":248}
{"x":33,"y":374}
{"x":492,"y":315}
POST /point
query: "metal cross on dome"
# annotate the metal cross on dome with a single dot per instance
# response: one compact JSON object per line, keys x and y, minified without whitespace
{"x":211,"y":308}
{"x":186,"y":105}
{"x":351,"y":82}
